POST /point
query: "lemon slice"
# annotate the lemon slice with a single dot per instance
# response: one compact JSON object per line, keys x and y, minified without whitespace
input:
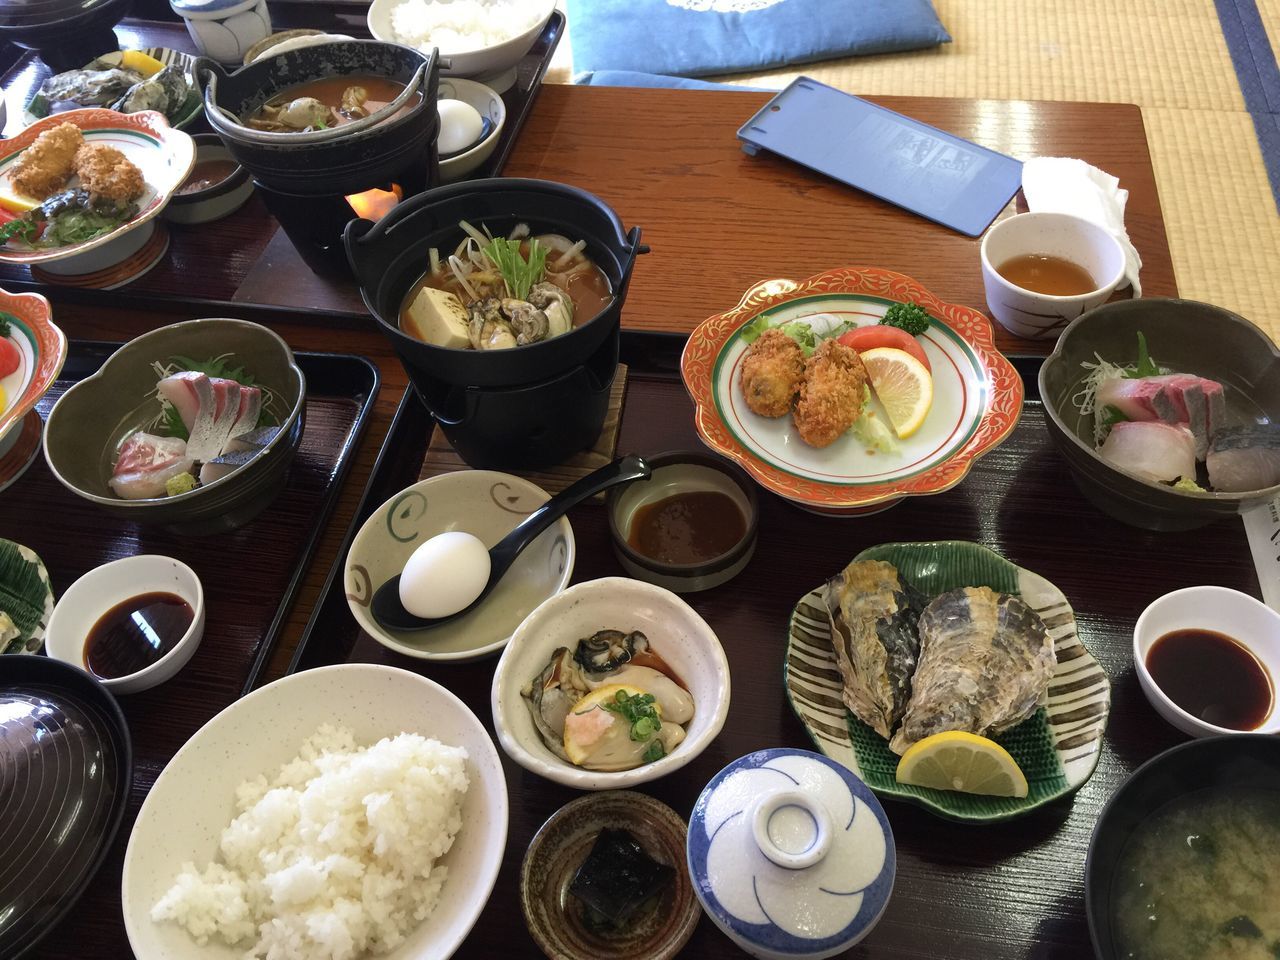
{"x":903,"y":385}
{"x":144,"y":64}
{"x":963,"y":762}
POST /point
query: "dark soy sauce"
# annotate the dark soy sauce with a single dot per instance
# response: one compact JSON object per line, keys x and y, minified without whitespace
{"x":135,"y":633}
{"x":1212,"y":677}
{"x":689,"y":527}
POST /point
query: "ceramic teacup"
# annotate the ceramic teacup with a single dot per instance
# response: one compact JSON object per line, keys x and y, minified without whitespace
{"x":1033,"y":315}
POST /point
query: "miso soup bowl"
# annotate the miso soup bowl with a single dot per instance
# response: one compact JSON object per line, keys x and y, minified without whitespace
{"x":675,"y":632}
{"x":1040,"y":316}
{"x":1228,"y":763}
{"x":1248,"y":621}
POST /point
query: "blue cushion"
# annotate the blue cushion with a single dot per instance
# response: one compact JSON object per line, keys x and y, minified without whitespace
{"x":632,"y":78}
{"x":697,"y":37}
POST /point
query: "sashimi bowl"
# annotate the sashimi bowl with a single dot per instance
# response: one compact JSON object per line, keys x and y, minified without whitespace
{"x":1184,"y":337}
{"x":29,"y":365}
{"x":976,"y":394}
{"x":203,"y":452}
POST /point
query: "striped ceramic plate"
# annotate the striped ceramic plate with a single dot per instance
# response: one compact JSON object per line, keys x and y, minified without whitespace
{"x":1057,"y":748}
{"x":180,"y":115}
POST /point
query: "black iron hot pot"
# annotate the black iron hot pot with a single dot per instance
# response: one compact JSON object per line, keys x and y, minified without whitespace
{"x":524,"y":407}
{"x":341,"y":160}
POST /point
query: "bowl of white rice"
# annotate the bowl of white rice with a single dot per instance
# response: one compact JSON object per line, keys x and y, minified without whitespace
{"x":482,"y":39}
{"x":344,"y":812}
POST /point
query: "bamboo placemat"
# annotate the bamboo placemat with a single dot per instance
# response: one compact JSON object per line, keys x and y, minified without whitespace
{"x":442,"y":458}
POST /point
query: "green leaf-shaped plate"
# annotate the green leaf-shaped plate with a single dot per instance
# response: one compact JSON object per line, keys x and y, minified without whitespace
{"x":25,"y":596}
{"x":1057,"y":748}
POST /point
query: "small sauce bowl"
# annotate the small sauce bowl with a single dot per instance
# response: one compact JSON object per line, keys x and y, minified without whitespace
{"x":1251,"y":623}
{"x":86,"y":600}
{"x":217,"y":200}
{"x":675,"y":473}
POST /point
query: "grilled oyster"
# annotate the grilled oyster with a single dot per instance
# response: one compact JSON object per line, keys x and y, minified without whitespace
{"x":88,"y":88}
{"x":166,"y":91}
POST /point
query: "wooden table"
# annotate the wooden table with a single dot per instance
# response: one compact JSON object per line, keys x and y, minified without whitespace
{"x":718,"y":221}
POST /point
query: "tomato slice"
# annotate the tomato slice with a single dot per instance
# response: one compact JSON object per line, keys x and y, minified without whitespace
{"x":878,"y":335}
{"x":10,"y":358}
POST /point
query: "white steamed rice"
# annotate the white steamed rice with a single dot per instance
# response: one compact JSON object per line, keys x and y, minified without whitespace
{"x":334,"y":857}
{"x":460,"y":26}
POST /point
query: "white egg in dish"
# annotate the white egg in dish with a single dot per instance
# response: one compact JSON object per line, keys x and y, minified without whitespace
{"x":460,"y":126}
{"x":444,"y":575}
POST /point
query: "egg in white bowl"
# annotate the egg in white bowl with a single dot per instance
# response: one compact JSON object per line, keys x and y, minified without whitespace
{"x":670,"y":628}
{"x":458,"y":101}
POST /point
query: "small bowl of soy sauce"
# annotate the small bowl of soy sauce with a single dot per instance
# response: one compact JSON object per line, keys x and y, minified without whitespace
{"x":132,"y":623}
{"x":1207,"y":659}
{"x":690,"y":527}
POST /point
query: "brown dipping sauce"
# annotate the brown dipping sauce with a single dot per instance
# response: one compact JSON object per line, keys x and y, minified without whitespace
{"x":206,"y":173}
{"x":1049,"y":275}
{"x":1212,"y":677}
{"x":689,"y":527}
{"x":135,"y":633}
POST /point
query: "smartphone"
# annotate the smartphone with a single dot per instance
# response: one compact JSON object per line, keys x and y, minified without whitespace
{"x":920,"y":168}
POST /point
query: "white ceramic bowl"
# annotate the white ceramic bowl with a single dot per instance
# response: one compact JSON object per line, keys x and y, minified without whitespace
{"x":1222,"y":610}
{"x":487,"y":104}
{"x":193,"y":800}
{"x":102,"y":588}
{"x":487,"y":505}
{"x":217,"y":200}
{"x":494,"y":65}
{"x":1039,"y":316}
{"x":682,"y":637}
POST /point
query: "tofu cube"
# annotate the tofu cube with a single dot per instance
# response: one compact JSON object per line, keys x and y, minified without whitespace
{"x":438,"y":318}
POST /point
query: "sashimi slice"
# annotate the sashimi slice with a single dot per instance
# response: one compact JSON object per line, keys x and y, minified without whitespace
{"x":1158,"y":451}
{"x":1245,"y":458}
{"x":190,"y":393}
{"x":250,"y":410}
{"x":1171,"y":398}
{"x":228,"y":463}
{"x":225,"y":410}
{"x":1142,"y":399}
{"x":146,"y":463}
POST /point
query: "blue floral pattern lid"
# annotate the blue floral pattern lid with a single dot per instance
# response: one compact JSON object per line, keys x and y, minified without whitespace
{"x":791,"y":854}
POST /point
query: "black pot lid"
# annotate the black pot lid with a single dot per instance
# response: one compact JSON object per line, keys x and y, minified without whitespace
{"x":65,"y":771}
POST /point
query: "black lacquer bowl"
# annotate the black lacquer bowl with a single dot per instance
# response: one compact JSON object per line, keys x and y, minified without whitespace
{"x":527,"y":406}
{"x":66,"y":766}
{"x":65,"y":34}
{"x":340,"y":160}
{"x":1229,"y":763}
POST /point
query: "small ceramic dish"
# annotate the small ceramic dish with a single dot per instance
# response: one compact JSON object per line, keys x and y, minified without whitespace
{"x":42,"y":350}
{"x":1057,"y":748}
{"x":27,"y":599}
{"x":677,"y":634}
{"x":492,"y":110}
{"x":180,"y":115}
{"x":557,"y":920}
{"x":193,"y":799}
{"x":977,"y":396}
{"x":487,"y":505}
{"x":287,"y":40}
{"x":102,"y":588}
{"x":674,"y":474}
{"x":226,"y":185}
{"x":89,"y":421}
{"x":1251,"y":623}
{"x":1028,"y":313}
{"x":68,"y":765}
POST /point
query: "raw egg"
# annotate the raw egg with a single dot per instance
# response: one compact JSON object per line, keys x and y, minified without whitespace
{"x":460,"y":126}
{"x":444,"y":575}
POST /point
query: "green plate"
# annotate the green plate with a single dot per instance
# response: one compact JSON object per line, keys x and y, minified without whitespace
{"x":180,"y":117}
{"x":1057,"y":748}
{"x":25,"y":596}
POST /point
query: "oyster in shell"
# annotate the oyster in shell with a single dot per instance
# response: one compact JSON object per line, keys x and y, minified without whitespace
{"x":165,"y":91}
{"x":873,"y":630}
{"x":89,"y":88}
{"x":986,"y":659}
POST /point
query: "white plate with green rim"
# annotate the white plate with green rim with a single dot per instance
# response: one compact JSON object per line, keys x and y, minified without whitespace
{"x":1057,"y":748}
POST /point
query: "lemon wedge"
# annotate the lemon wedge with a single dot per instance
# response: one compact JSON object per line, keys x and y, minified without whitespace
{"x":963,"y":762}
{"x":144,"y":64}
{"x":4,"y":401}
{"x":903,"y":385}
{"x":12,"y":200}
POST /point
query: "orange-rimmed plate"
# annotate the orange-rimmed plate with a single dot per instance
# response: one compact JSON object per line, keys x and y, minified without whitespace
{"x":977,"y":395}
{"x":164,"y":155}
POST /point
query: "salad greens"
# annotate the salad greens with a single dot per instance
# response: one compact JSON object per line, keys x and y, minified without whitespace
{"x":66,"y":218}
{"x":801,"y":331}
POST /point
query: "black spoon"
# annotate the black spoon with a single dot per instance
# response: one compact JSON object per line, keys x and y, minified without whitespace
{"x":390,"y":613}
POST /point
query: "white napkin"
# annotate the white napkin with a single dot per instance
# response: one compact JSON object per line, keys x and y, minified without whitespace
{"x":1064,"y":185}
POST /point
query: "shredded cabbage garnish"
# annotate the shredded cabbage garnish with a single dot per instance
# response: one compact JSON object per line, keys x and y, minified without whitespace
{"x":870,"y":430}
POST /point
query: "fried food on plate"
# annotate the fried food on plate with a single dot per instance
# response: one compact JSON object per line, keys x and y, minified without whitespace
{"x":831,"y":395}
{"x":771,"y":373}
{"x":44,"y":167}
{"x":108,"y":174}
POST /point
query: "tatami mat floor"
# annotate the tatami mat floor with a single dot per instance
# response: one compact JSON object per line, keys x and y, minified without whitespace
{"x":1168,"y":56}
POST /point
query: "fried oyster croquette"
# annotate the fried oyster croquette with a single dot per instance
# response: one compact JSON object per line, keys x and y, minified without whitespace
{"x":831,"y":395}
{"x":45,"y":167}
{"x":108,"y":174}
{"x":771,"y":374}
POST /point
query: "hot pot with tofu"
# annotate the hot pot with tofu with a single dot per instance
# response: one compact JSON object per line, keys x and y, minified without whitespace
{"x":503,"y":299}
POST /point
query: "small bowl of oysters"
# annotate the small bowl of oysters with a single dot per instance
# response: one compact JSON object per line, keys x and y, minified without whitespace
{"x":611,"y":683}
